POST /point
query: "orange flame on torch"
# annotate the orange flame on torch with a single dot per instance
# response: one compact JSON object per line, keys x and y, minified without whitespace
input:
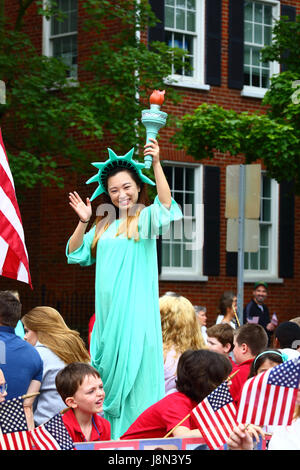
{"x":157,"y":97}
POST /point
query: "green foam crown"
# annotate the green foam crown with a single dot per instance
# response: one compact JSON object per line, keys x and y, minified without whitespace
{"x":105,"y":168}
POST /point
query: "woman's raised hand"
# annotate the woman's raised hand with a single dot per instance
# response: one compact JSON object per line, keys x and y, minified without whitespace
{"x":84,"y":211}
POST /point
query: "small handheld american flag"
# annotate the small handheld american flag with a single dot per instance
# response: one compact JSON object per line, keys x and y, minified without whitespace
{"x":269,"y":398}
{"x":215,"y":416}
{"x":14,"y":434}
{"x":52,"y":435}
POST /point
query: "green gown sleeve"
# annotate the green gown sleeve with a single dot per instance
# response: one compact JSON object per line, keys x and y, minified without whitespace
{"x":155,"y":219}
{"x":83,"y":254}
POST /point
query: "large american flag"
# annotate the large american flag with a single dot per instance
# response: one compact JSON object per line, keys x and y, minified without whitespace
{"x":269,"y":398}
{"x":13,"y":254}
{"x":14,"y":434}
{"x":215,"y":416}
{"x":52,"y":435}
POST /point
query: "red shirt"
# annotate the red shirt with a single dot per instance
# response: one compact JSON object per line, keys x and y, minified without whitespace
{"x":240,"y":378}
{"x":100,"y":428}
{"x":160,"y":418}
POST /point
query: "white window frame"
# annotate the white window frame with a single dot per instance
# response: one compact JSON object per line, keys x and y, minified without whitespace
{"x":194,"y":273}
{"x":47,"y":46}
{"x":257,"y":92}
{"x":198,"y":78}
{"x":271,"y":274}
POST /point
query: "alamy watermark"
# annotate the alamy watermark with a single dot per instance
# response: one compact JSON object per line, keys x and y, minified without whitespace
{"x":296,"y":94}
{"x":187,"y":230}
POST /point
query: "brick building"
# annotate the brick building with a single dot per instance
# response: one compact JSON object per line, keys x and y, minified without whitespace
{"x":223,"y":38}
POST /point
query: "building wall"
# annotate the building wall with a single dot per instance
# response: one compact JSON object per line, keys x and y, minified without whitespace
{"x":49,"y":221}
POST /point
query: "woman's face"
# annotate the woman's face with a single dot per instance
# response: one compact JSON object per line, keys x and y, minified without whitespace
{"x":123,"y":190}
{"x":30,"y":336}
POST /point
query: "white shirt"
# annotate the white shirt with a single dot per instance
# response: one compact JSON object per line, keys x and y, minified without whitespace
{"x":286,"y":437}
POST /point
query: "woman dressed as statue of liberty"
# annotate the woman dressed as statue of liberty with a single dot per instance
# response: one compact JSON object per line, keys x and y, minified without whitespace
{"x":126,"y":344}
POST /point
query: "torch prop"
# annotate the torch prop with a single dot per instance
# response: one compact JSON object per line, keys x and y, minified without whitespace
{"x":153,"y":119}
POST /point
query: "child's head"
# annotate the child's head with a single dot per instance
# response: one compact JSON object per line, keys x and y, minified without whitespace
{"x":249,"y":341}
{"x":80,"y":386}
{"x":220,"y":338}
{"x":266,"y":360}
{"x":200,"y":372}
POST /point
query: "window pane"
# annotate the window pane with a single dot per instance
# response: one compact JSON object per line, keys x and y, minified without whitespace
{"x":187,"y":258}
{"x":191,"y":4}
{"x":178,"y":196}
{"x":179,"y":178}
{"x":248,"y":11}
{"x":165,"y":254}
{"x":169,"y":38}
{"x":247,"y":76}
{"x":255,"y":56}
{"x":264,"y":235}
{"x":267,"y":35}
{"x":180,"y":19}
{"x":254,"y":261}
{"x":255,"y":77}
{"x":191,"y":21}
{"x":178,"y":40}
{"x":258,"y":34}
{"x":169,"y":17}
{"x":189,"y":199}
{"x":264,"y":255}
{"x":247,"y":55}
{"x":180,"y":3}
{"x":189,"y":179}
{"x":248,"y":32}
{"x":258,"y":8}
{"x":266,"y":186}
{"x":268,"y":14}
{"x":176,"y":255}
{"x":266,"y":208}
{"x":265,"y":78}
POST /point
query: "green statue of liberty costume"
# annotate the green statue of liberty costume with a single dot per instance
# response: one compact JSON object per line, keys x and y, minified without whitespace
{"x":126,"y":344}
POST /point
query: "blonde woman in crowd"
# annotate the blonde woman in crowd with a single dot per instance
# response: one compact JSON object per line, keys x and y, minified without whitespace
{"x":180,"y":331}
{"x":58,"y":346}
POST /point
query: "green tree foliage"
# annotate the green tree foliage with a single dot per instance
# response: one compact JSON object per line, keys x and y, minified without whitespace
{"x":48,"y":118}
{"x":273,"y":136}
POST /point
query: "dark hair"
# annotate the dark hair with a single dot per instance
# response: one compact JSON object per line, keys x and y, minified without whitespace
{"x":200,"y":372}
{"x":223,"y":332}
{"x":254,"y":336}
{"x":286,"y":333}
{"x":10,"y":309}
{"x":273,"y":355}
{"x":71,"y":377}
{"x":226,"y":302}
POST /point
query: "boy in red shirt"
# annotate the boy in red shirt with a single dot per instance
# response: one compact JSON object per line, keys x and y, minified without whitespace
{"x":81,"y":388}
{"x":198,"y":374}
{"x":249,"y":341}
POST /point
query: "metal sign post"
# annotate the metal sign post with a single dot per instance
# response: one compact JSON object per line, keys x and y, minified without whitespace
{"x":241,"y":237}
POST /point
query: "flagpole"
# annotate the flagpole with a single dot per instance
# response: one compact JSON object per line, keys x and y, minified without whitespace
{"x":187,"y":416}
{"x":236,"y":317}
{"x":29,"y":395}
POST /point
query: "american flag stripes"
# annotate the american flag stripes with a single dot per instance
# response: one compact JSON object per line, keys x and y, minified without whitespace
{"x":52,"y":435}
{"x":13,"y":254}
{"x":14,"y":434}
{"x":215,"y":416}
{"x":269,"y":398}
